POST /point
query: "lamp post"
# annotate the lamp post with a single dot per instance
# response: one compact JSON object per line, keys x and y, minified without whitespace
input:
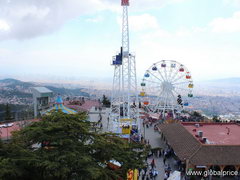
{"x":144,"y":130}
{"x":7,"y":132}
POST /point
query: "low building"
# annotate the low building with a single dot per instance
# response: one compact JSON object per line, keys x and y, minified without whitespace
{"x":204,"y":146}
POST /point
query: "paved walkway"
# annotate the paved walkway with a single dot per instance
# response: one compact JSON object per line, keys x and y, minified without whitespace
{"x":155,"y":142}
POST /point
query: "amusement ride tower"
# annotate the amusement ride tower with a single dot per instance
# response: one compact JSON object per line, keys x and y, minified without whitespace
{"x":124,"y":102}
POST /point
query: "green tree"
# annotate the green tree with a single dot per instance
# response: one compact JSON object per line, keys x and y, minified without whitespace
{"x":216,"y":119}
{"x":106,"y":101}
{"x":8,"y":114}
{"x":68,"y":150}
{"x":197,"y":114}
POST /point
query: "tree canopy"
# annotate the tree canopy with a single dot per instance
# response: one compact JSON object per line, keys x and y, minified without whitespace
{"x":62,"y":146}
{"x":8,"y":114}
{"x":106,"y":102}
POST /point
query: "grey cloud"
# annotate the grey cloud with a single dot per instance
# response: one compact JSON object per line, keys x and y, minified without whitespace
{"x":31,"y":18}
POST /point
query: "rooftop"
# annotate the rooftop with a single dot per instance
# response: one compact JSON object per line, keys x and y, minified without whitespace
{"x":216,"y":133}
{"x":186,"y":146}
{"x":6,"y":132}
{"x":42,"y":90}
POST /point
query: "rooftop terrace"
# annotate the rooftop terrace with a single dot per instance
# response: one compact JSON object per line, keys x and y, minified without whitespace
{"x":216,"y":133}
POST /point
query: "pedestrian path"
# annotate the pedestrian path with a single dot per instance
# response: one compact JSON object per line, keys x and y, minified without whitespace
{"x":156,"y":142}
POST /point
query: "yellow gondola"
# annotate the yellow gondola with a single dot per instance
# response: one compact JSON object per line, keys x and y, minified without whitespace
{"x":190,"y":85}
{"x":142,"y":93}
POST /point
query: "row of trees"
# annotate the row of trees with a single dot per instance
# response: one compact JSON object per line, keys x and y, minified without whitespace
{"x":63,"y":147}
{"x":11,"y":112}
{"x":105,"y":101}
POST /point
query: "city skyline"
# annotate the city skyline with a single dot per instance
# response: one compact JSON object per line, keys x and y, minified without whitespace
{"x":73,"y":40}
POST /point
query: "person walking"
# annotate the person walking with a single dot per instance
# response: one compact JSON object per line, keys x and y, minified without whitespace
{"x":153,"y":163}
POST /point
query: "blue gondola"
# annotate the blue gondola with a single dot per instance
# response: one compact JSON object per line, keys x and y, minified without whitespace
{"x":163,"y":65}
{"x":186,"y":104}
{"x":154,"y":68}
{"x":117,"y":60}
{"x":173,"y":65}
{"x":147,"y":75}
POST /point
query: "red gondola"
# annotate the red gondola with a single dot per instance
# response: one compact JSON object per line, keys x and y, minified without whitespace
{"x":146,"y":103}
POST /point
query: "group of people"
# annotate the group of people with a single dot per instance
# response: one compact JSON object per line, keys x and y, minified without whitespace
{"x":99,"y":123}
{"x":149,"y":172}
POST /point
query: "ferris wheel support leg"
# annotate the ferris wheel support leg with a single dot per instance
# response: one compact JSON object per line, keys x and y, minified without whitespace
{"x":173,"y":113}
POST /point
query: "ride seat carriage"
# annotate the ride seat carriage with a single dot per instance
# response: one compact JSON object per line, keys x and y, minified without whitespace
{"x":188,"y":77}
{"x":181,"y":69}
{"x":190,"y":85}
{"x":142,"y":93}
{"x":146,"y":103}
{"x":117,"y":60}
{"x":147,"y":75}
{"x":154,"y":68}
{"x":163,"y":65}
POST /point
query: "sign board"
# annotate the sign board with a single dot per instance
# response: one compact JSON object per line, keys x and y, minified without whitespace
{"x":123,"y":120}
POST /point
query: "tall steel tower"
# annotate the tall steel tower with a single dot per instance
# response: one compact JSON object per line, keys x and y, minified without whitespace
{"x":124,"y":102}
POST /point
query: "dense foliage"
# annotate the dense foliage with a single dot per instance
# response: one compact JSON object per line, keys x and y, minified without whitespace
{"x":105,"y":101}
{"x":8,"y":114}
{"x":63,"y":146}
{"x":23,"y":112}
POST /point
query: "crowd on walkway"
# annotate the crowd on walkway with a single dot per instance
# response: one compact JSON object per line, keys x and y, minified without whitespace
{"x":161,"y":161}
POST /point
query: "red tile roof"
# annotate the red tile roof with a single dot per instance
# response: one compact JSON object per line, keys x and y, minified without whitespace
{"x":7,"y":131}
{"x":217,"y":133}
{"x":186,"y":146}
{"x":85,"y":107}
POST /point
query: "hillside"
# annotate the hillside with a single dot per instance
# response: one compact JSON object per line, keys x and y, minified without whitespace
{"x":18,"y":92}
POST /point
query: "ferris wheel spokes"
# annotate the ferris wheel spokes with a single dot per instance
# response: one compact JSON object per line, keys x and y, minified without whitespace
{"x":178,"y":78}
{"x":179,"y":83}
{"x":170,"y":73}
{"x":161,"y":75}
{"x":175,"y":74}
{"x":158,"y":99}
{"x":150,"y":81}
{"x":155,"y":76}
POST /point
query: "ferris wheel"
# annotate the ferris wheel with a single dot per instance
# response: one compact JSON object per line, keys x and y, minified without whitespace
{"x":166,"y":87}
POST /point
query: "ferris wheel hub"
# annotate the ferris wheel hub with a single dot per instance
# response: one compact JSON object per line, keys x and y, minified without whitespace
{"x":167,"y":86}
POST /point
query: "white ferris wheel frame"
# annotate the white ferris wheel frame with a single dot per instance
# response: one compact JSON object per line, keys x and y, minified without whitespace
{"x":164,"y":84}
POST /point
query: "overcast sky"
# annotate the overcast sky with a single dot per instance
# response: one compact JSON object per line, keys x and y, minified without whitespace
{"x":76,"y":39}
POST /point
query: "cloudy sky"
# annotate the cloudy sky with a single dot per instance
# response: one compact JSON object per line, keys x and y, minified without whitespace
{"x":76,"y":39}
